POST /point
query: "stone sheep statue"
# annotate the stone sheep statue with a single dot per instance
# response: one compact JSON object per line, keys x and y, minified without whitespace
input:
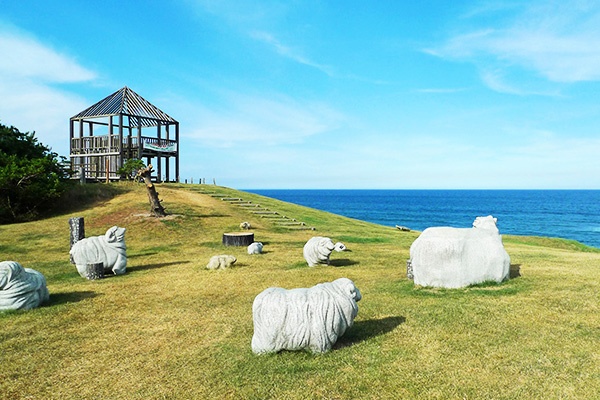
{"x":221,"y":262}
{"x":21,"y":288}
{"x":255,"y":248}
{"x":304,"y":318}
{"x":459,"y":257}
{"x":108,"y":249}
{"x":245,"y":225}
{"x":317,"y":250}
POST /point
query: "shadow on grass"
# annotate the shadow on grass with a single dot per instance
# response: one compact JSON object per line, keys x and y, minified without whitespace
{"x":515,"y":271}
{"x":342,"y":262}
{"x":69,"y":297}
{"x":365,"y":330}
{"x":154,"y":266}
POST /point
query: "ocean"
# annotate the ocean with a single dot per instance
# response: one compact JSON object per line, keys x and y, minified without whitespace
{"x":569,"y":214}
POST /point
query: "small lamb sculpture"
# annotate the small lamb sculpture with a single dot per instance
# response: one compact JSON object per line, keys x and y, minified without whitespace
{"x":21,"y":288}
{"x":458,"y":257}
{"x":245,"y":225}
{"x":318,"y":249}
{"x":108,"y":249}
{"x":304,"y":318}
{"x":221,"y":262}
{"x":255,"y":248}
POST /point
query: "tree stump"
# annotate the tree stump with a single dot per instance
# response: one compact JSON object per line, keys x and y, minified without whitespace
{"x":94,"y":271}
{"x":238,"y":238}
{"x":77,"y":228}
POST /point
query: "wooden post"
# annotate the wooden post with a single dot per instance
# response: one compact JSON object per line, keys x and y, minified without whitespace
{"x":94,"y":271}
{"x":77,"y":229}
{"x":156,"y":208}
{"x":177,"y":152}
{"x":107,"y":167}
{"x":238,"y":238}
{"x":158,"y":160}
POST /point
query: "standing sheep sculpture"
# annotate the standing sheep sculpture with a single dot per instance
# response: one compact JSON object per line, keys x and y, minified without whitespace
{"x":21,"y":288}
{"x":304,"y":318}
{"x":458,"y":257}
{"x":318,"y":249}
{"x":108,"y":249}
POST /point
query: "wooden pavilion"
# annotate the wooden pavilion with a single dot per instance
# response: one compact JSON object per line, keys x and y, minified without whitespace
{"x":123,"y":126}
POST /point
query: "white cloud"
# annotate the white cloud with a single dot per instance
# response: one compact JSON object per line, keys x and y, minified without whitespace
{"x":559,"y":42}
{"x":29,"y":97}
{"x":288,"y":52}
{"x":264,"y":120}
{"x":24,"y":57}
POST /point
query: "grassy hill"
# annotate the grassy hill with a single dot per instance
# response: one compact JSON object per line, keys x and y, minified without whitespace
{"x":169,"y":328}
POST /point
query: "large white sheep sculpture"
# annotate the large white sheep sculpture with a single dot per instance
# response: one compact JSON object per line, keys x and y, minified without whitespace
{"x":21,"y":288}
{"x":304,"y":318}
{"x":318,"y":249}
{"x":459,"y":257}
{"x":108,"y":249}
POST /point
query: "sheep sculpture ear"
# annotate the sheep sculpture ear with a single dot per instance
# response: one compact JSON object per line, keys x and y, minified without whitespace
{"x":110,"y":234}
{"x":352,"y":290}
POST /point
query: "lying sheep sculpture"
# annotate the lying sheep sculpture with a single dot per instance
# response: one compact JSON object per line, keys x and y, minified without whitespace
{"x":108,"y":249}
{"x":21,"y":288}
{"x":318,"y":249}
{"x":304,"y":318}
{"x":255,"y":248}
{"x":245,"y":225}
{"x":221,"y":262}
{"x":459,"y":257}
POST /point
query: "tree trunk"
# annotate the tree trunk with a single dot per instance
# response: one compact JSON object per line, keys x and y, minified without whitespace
{"x":156,"y":208}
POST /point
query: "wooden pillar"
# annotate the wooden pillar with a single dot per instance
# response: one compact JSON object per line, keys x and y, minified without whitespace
{"x":158,"y":158}
{"x":119,"y":160}
{"x":129,"y":134}
{"x":140,"y":144}
{"x":177,"y":152}
{"x":77,"y":229}
{"x":82,"y":158}
{"x":167,"y":157}
{"x":71,"y":132}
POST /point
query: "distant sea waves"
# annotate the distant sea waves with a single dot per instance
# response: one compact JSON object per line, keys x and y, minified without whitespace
{"x":569,"y":214}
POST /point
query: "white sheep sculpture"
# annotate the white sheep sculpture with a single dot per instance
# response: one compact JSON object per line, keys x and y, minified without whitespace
{"x":318,"y":249}
{"x":255,"y":248}
{"x":304,"y":318}
{"x":21,"y":288}
{"x":221,"y":261}
{"x":245,"y":225}
{"x":108,"y":249}
{"x":458,"y":257}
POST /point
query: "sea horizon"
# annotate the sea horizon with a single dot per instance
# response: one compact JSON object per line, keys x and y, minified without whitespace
{"x":563,"y":213}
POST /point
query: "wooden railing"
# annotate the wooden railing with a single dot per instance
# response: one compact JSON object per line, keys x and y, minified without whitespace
{"x":107,"y":144}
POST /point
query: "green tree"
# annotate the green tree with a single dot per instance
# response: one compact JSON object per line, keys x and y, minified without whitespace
{"x":131,"y":167}
{"x":32,"y":177}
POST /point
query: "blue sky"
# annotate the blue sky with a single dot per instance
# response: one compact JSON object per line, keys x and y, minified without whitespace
{"x":316,"y":94}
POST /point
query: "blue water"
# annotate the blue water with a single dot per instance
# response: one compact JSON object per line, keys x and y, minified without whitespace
{"x":569,"y":214}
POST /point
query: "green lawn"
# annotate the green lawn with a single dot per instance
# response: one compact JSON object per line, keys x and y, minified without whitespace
{"x":171,"y":329}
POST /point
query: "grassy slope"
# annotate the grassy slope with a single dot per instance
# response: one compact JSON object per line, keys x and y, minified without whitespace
{"x":171,"y":329}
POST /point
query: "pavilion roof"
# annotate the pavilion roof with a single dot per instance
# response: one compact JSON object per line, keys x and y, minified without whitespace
{"x":128,"y":103}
